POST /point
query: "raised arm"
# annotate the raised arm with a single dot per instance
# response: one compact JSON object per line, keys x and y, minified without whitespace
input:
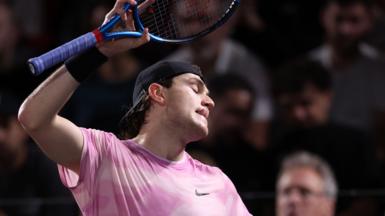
{"x":59,"y":138}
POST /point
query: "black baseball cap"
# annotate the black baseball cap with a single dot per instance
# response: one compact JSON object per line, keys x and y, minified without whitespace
{"x":157,"y":72}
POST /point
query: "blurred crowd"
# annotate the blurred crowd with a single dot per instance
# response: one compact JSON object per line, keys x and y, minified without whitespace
{"x":299,"y":87}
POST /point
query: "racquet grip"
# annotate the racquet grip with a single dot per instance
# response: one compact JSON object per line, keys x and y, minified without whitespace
{"x":39,"y":64}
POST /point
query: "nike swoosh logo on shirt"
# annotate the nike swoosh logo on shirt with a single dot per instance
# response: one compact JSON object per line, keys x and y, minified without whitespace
{"x":200,"y":194}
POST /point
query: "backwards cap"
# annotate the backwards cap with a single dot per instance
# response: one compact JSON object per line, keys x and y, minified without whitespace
{"x":155,"y":73}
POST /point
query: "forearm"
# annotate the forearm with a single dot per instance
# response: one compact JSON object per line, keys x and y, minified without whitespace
{"x":43,"y":105}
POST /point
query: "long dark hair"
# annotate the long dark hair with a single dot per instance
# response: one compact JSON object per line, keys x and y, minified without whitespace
{"x":135,"y":118}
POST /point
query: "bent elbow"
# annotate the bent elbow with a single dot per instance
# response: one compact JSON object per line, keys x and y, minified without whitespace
{"x":25,"y":118}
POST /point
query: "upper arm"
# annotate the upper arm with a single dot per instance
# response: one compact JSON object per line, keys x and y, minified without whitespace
{"x":61,"y":141}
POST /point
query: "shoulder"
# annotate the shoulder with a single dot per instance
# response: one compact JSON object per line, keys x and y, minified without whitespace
{"x":321,"y":54}
{"x":101,"y":141}
{"x":369,"y":51}
{"x":98,"y":135}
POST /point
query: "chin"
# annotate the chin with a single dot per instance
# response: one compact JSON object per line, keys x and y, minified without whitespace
{"x":203,"y":133}
{"x":200,"y":133}
{"x":197,"y":129}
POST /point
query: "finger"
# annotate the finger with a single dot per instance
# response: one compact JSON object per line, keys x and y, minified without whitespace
{"x":119,"y":9}
{"x":124,"y":20}
{"x":142,"y":7}
{"x":107,"y":17}
{"x":130,"y":24}
{"x":115,"y":10}
{"x":145,"y":36}
{"x":122,"y":13}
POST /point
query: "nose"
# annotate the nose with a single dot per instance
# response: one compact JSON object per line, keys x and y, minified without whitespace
{"x":294,"y":197}
{"x":346,"y":28}
{"x":208,"y":102}
{"x":299,"y":113}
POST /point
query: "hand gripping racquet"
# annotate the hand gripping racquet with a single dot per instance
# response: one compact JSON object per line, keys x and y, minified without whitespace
{"x":169,"y":21}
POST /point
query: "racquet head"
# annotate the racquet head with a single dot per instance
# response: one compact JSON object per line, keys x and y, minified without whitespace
{"x":180,"y":21}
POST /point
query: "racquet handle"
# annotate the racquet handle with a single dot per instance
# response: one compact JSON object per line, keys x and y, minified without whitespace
{"x":39,"y":64}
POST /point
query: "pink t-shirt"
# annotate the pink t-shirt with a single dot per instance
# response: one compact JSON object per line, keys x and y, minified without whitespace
{"x":119,"y":177}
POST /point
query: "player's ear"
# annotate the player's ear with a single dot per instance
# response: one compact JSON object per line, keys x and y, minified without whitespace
{"x":156,"y":93}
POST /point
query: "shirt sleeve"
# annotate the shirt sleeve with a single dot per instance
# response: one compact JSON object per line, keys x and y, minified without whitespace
{"x":94,"y":149}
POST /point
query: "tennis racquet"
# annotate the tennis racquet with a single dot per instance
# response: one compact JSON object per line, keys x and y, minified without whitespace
{"x":168,"y":21}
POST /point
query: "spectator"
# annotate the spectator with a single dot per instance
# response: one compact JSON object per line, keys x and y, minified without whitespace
{"x":31,"y":16}
{"x":305,"y":186}
{"x":303,"y":93}
{"x":25,"y":173}
{"x":235,"y":99}
{"x":357,"y":70}
{"x":12,"y":53}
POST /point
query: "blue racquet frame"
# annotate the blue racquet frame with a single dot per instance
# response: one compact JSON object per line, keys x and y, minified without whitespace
{"x":41,"y":63}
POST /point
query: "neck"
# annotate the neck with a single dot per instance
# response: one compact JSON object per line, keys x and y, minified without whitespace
{"x":162,"y":142}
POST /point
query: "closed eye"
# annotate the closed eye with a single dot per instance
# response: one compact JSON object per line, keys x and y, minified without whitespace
{"x":197,"y":86}
{"x":195,"y":89}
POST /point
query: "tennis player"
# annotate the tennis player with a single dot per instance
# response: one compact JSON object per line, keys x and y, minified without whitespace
{"x":150,"y":173}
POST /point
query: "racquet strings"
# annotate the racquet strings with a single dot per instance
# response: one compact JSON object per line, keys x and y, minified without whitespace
{"x":175,"y":19}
